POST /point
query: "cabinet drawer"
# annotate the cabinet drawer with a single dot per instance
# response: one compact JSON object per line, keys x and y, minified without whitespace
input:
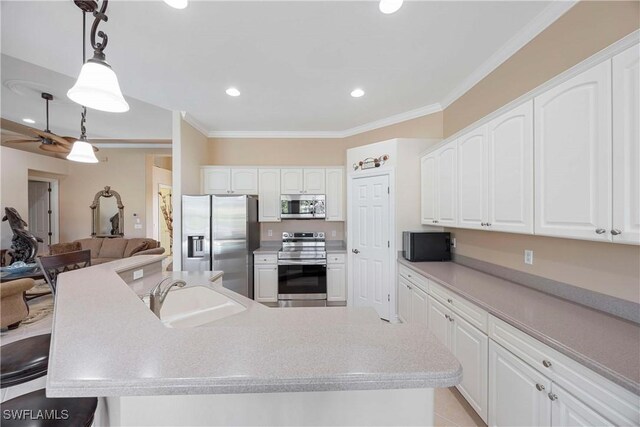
{"x":336,"y":258}
{"x":469,"y":311}
{"x":613,"y":402}
{"x":417,"y":279}
{"x":265,"y":258}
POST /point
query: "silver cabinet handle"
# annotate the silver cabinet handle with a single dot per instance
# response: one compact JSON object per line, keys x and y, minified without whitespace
{"x":616,"y":232}
{"x":355,"y":251}
{"x":446,"y":316}
{"x":540,"y":387}
{"x":546,"y":363}
{"x":450,"y":319}
{"x":488,"y":224}
{"x":552,"y":396}
{"x":409,"y":287}
{"x":449,"y":300}
{"x":600,"y":231}
{"x":436,"y":221}
{"x":483,"y":224}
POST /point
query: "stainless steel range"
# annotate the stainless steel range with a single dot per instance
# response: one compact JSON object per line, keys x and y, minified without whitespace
{"x":302,"y":270}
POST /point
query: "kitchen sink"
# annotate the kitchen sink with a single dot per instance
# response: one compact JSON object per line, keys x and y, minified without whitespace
{"x":196,"y":306}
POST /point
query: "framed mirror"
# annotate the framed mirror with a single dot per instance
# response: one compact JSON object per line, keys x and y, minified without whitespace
{"x":107,"y":214}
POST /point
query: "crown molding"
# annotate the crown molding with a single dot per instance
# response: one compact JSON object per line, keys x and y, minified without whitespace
{"x":194,"y":122}
{"x":545,"y":18}
{"x":387,"y":121}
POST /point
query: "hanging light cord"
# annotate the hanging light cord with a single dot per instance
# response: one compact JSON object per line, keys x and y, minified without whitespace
{"x":83,"y":129}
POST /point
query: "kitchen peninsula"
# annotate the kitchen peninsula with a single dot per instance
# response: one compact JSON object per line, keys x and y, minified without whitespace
{"x":297,"y":366}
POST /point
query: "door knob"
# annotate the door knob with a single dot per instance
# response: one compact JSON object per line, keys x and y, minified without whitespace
{"x":355,"y":251}
{"x":616,"y":232}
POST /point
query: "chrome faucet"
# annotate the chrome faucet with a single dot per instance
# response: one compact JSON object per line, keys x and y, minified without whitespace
{"x":158,"y":295}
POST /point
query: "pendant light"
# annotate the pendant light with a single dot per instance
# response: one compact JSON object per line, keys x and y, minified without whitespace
{"x":97,"y":86}
{"x":82,"y":151}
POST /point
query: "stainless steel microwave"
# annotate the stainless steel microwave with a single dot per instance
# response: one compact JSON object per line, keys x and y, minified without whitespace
{"x":303,"y":206}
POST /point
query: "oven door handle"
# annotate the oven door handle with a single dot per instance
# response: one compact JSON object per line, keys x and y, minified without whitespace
{"x":322,"y":262}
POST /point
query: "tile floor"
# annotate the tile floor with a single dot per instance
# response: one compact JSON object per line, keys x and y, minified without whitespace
{"x":452,"y":410}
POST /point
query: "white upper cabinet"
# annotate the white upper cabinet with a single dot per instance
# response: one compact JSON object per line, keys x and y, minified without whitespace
{"x":626,"y":147}
{"x":510,"y":171}
{"x":334,"y":194}
{"x":291,"y":181}
{"x":573,"y":157}
{"x":472,"y":179}
{"x":447,"y":186}
{"x":244,"y":181}
{"x":429,"y":187}
{"x":269,"y":195}
{"x":220,"y":180}
{"x":314,"y":181}
{"x":216,"y":180}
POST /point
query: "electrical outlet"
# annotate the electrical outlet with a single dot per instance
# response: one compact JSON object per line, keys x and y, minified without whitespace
{"x":137,"y":226}
{"x":270,"y":233}
{"x":333,"y":233}
{"x":528,"y":257}
{"x":453,"y":242}
{"x":138,"y":274}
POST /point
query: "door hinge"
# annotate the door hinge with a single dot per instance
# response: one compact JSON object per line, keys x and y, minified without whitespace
{"x":389,"y":297}
{"x":388,"y":244}
{"x":49,"y":189}
{"x":388,"y":191}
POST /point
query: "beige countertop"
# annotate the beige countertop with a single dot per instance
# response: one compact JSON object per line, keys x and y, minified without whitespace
{"x":604,"y":343}
{"x":106,"y":342}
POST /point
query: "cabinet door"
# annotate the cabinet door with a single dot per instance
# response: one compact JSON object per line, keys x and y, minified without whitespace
{"x":419,"y":306}
{"x":472,"y":179}
{"x":291,"y":181}
{"x":517,"y":392}
{"x":335,"y":194}
{"x":447,"y":187}
{"x":510,"y":171}
{"x":266,"y":283}
{"x":216,"y":180}
{"x":471,"y":347}
{"x":336,"y":282}
{"x":566,"y":410}
{"x":428,"y":183}
{"x":313,"y":181}
{"x":269,"y":195}
{"x":626,"y":146}
{"x":404,"y":299}
{"x":244,"y":181}
{"x":573,"y":157}
{"x":439,"y":321}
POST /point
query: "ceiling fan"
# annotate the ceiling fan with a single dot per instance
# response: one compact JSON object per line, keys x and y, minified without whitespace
{"x":49,"y":141}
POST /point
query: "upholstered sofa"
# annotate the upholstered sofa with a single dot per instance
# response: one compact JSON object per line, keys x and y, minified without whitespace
{"x":109,"y":249}
{"x":13,"y":307}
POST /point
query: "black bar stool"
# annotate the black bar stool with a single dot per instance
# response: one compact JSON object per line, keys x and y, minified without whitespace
{"x":24,"y":361}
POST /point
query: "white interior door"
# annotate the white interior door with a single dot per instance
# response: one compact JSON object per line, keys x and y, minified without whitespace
{"x":370,"y":243}
{"x":39,"y":216}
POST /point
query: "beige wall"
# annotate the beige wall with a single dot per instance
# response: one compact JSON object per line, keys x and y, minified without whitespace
{"x":608,"y":268}
{"x":124,"y":170}
{"x":16,"y":167}
{"x":193,"y":146}
{"x":587,"y":28}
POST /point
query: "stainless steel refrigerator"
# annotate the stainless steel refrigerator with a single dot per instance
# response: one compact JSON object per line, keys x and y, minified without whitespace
{"x":220,"y":233}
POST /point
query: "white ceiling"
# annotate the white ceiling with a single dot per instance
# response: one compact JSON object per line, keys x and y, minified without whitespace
{"x":294,"y":62}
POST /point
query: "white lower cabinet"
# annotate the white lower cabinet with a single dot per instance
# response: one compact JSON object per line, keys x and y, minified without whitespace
{"x":517,"y":392}
{"x":471,"y":347}
{"x":336,"y":280}
{"x":404,"y":299}
{"x":566,"y":410}
{"x":439,"y":321}
{"x":412,"y":303}
{"x":265,"y":282}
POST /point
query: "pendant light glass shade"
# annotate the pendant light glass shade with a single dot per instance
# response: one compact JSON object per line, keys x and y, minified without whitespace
{"x":82,"y":152}
{"x":97,"y":87}
{"x":390,"y":6}
{"x":177,"y":4}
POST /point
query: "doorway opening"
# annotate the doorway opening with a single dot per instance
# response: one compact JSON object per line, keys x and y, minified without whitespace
{"x":43,"y":215}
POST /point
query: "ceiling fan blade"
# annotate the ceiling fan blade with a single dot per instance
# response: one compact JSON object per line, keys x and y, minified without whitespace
{"x":54,"y":148}
{"x":22,"y":140}
{"x":53,"y":137}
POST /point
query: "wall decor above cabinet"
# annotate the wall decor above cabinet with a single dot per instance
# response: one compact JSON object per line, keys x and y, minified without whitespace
{"x":566,"y":154}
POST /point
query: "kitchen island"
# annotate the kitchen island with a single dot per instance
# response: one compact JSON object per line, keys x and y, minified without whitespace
{"x":261,"y":366}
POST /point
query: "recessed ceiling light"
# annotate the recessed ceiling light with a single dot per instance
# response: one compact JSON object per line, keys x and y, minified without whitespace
{"x":177,"y":4}
{"x":232,"y":91}
{"x":389,"y":6}
{"x":27,"y":120}
{"x":357,"y":93}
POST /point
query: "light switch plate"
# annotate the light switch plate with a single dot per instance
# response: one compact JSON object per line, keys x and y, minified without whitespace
{"x":138,"y":274}
{"x":453,"y":242}
{"x":137,"y":226}
{"x":528,"y":257}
